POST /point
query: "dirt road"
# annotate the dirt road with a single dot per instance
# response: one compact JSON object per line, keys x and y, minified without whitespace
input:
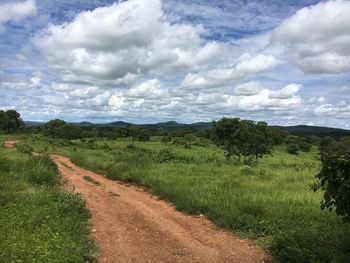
{"x":130,"y":225}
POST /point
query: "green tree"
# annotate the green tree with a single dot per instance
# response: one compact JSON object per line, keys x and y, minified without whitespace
{"x":226,"y":135}
{"x":242,"y":138}
{"x":10,"y":121}
{"x":334,"y":178}
{"x":51,"y":128}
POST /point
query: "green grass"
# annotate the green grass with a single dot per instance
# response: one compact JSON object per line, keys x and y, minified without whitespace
{"x":91,"y":180}
{"x":39,"y":222}
{"x":271,"y":203}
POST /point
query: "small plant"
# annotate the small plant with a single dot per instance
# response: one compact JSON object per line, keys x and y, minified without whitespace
{"x":91,"y":180}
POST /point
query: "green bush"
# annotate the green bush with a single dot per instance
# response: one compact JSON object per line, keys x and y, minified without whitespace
{"x":304,"y":146}
{"x":24,"y":148}
{"x":42,"y":171}
{"x":292,"y":148}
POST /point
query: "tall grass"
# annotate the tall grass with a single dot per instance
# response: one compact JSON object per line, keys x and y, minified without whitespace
{"x":271,"y":202}
{"x":39,"y":222}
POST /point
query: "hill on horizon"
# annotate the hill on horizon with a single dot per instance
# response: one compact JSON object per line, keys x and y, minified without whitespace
{"x":299,"y":130}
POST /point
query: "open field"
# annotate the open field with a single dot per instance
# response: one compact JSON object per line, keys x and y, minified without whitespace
{"x":39,"y":222}
{"x":271,"y":202}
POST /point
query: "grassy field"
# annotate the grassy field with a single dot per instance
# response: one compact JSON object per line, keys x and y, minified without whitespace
{"x":39,"y":222}
{"x":271,"y":202}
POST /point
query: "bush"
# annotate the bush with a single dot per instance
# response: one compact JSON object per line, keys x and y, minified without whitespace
{"x":42,"y":171}
{"x":304,"y":146}
{"x":24,"y":148}
{"x":166,"y":155}
{"x":292,"y":148}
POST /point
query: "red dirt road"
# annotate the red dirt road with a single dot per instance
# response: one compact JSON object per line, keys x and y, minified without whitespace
{"x":130,"y":225}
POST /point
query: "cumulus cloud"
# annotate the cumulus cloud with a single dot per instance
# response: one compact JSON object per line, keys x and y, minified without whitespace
{"x":286,"y":92}
{"x":20,"y":82}
{"x":15,"y":11}
{"x":248,"y":89}
{"x":340,"y":110}
{"x":246,"y":66}
{"x":123,"y":40}
{"x":318,"y":37}
{"x":149,"y":89}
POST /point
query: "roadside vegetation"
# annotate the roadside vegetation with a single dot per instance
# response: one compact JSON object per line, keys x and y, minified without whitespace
{"x":39,"y":221}
{"x":271,"y":202}
{"x":288,"y":193}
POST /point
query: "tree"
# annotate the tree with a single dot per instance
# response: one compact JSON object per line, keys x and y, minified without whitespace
{"x":11,"y":121}
{"x":226,"y":135}
{"x":51,"y":127}
{"x":334,"y":178}
{"x":242,"y":138}
{"x":143,"y":135}
{"x":132,"y":132}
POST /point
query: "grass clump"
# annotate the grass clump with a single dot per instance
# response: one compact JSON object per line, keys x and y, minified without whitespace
{"x":39,"y":222}
{"x":42,"y":171}
{"x":91,"y":180}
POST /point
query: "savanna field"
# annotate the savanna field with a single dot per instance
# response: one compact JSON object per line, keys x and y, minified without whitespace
{"x":271,"y":202}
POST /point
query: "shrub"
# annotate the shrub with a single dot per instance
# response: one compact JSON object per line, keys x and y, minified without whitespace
{"x":24,"y":148}
{"x":292,"y":148}
{"x":42,"y":171}
{"x":166,"y":155}
{"x":304,"y":146}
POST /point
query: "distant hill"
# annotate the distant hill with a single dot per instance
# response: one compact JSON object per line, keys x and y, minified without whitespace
{"x":303,"y":130}
{"x":299,"y":130}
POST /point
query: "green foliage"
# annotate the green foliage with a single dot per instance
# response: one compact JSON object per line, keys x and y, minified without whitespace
{"x":60,"y":129}
{"x":42,"y":171}
{"x":334,"y":178}
{"x":24,"y":148}
{"x":242,"y":138}
{"x":10,"y":121}
{"x":39,"y":224}
{"x":292,"y":148}
{"x":273,"y":204}
{"x":304,"y":146}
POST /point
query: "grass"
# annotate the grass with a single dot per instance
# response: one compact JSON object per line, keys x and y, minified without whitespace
{"x":39,"y":222}
{"x":91,"y":180}
{"x":271,"y":203}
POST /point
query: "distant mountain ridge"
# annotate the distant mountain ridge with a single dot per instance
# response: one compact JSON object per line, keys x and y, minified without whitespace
{"x":299,"y":130}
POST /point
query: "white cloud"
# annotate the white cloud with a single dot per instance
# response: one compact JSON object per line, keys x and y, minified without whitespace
{"x":149,"y":89}
{"x":246,"y":66}
{"x":125,"y":39}
{"x":15,"y":11}
{"x":248,"y":89}
{"x":318,"y":37}
{"x":286,"y":92}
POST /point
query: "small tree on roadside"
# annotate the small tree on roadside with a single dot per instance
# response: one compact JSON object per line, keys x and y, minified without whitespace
{"x":334,"y":178}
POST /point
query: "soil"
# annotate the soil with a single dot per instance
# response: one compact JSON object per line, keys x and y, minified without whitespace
{"x":131,"y":225}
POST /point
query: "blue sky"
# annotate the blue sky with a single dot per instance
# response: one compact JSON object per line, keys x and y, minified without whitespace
{"x":284,"y":62}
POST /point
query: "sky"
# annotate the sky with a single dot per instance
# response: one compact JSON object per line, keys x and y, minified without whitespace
{"x":148,"y":61}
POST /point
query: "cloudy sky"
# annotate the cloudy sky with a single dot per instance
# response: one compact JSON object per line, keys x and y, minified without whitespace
{"x":145,"y":61}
